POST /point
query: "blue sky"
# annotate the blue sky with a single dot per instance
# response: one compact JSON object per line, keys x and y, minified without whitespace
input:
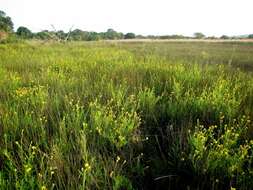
{"x":157,"y":17}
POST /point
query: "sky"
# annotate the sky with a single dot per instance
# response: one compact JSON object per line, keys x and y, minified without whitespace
{"x":146,"y":17}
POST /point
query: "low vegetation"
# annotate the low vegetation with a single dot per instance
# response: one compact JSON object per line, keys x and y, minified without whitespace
{"x":126,"y":116}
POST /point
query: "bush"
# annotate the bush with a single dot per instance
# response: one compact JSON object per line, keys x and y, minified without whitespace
{"x":129,"y":36}
{"x":223,"y":153}
{"x":24,"y":32}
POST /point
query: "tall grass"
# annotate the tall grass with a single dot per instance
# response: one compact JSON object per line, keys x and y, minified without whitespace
{"x":126,"y":116}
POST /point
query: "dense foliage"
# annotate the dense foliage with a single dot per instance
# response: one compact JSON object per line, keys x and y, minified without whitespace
{"x":126,"y":116}
{"x":24,"y":32}
{"x":6,"y":23}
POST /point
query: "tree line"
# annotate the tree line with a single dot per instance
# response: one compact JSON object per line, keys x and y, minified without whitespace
{"x":7,"y":28}
{"x":75,"y":35}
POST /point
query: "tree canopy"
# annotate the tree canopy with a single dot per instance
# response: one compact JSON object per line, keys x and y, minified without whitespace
{"x":129,"y":36}
{"x":6,"y":23}
{"x":199,"y":35}
{"x":24,"y":32}
{"x":224,"y":37}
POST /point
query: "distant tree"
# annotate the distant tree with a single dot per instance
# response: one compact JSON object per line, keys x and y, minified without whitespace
{"x":152,"y":37}
{"x":111,"y":34}
{"x":120,"y":35}
{"x":43,"y":35}
{"x":6,"y":23}
{"x":76,"y":34}
{"x":80,"y":35}
{"x":164,"y":37}
{"x":224,"y":37}
{"x":129,"y":36}
{"x":175,"y":36}
{"x":24,"y":32}
{"x":61,"y":34}
{"x":93,"y":36}
{"x":199,"y":35}
{"x":211,"y":37}
{"x":250,"y":36}
{"x":140,"y":37}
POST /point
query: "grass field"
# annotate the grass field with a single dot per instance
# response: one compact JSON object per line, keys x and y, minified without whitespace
{"x":124,"y":116}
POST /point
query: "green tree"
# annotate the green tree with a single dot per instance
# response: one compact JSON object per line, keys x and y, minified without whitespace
{"x":79,"y":35}
{"x":120,"y":35}
{"x":61,"y":34}
{"x":24,"y":32}
{"x":129,"y":36}
{"x":199,"y":35}
{"x":111,"y":34}
{"x":250,"y":36}
{"x":224,"y":37}
{"x":43,"y":35}
{"x":93,"y":36}
{"x":6,"y":23}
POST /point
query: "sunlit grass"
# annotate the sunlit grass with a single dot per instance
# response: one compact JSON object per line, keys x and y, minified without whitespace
{"x":126,"y":116}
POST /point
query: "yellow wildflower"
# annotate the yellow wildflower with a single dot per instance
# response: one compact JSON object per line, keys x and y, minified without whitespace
{"x":118,"y":159}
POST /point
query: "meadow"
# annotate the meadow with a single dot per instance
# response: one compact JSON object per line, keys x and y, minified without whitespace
{"x":124,"y":116}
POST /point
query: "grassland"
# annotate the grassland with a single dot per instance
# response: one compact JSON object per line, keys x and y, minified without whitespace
{"x":111,"y":115}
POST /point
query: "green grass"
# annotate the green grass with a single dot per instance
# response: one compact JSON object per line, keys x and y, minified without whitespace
{"x":103,"y":115}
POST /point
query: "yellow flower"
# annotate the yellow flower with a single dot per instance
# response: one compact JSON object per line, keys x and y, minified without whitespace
{"x":87,"y":166}
{"x":40,"y":175}
{"x":111,"y":173}
{"x":27,"y":169}
{"x":43,"y":187}
{"x":34,"y":147}
{"x":22,"y":92}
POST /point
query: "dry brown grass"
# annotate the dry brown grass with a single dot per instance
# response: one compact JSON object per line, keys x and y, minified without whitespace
{"x":3,"y":35}
{"x":182,"y":40}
